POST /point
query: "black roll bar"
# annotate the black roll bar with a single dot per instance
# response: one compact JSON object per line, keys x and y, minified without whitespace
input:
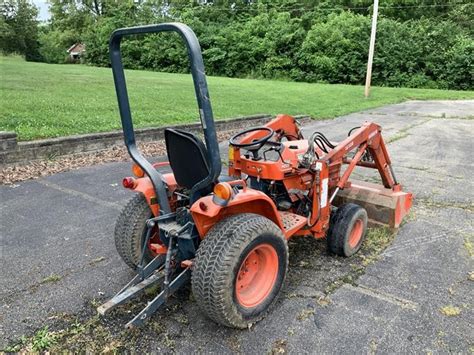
{"x":202,"y":96}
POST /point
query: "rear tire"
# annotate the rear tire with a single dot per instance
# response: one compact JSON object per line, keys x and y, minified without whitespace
{"x":130,"y":230}
{"x":239,"y":269}
{"x":347,"y":230}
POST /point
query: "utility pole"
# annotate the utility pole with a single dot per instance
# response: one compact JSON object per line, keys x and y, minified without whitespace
{"x":368,"y":78}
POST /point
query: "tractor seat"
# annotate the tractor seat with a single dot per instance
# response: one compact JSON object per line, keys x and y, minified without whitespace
{"x":187,"y":155}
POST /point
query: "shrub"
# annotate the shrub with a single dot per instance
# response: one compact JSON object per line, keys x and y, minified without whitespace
{"x":335,"y":51}
{"x":268,"y":39}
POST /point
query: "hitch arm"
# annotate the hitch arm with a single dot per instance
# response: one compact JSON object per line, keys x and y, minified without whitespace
{"x":159,"y":300}
{"x":128,"y":293}
{"x":151,"y":274}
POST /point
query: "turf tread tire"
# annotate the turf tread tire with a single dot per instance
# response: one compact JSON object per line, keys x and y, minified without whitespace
{"x":216,"y":264}
{"x":129,"y":230}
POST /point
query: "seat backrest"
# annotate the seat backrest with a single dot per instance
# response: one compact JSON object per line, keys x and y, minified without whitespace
{"x":187,"y":155}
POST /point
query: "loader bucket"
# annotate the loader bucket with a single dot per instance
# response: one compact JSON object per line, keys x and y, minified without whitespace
{"x":384,"y":206}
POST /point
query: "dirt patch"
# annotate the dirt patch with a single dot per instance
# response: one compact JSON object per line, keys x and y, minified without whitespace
{"x":279,"y":346}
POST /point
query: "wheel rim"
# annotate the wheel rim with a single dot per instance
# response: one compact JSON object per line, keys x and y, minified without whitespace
{"x":356,"y":233}
{"x":257,"y":276}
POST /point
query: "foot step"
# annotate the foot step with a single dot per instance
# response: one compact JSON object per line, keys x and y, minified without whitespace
{"x":292,"y":222}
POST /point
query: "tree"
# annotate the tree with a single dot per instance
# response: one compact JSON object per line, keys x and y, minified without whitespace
{"x":421,"y":43}
{"x":19,"y":29}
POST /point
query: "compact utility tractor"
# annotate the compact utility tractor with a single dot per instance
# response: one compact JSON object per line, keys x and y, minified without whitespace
{"x":228,"y":234}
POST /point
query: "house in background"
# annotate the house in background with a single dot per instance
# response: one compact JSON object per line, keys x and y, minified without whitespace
{"x":76,"y":51}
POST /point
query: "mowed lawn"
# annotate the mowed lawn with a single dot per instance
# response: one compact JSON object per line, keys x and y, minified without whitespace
{"x":44,"y":100}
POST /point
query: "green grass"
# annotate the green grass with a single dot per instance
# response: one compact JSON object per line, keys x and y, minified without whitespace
{"x":44,"y":100}
{"x":51,"y":278}
{"x":41,"y":341}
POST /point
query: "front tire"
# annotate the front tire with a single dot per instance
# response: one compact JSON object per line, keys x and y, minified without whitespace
{"x":239,"y":269}
{"x":347,"y":230}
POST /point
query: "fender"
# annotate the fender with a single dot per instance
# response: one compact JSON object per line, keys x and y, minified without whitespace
{"x":207,"y":213}
{"x":145,"y":187}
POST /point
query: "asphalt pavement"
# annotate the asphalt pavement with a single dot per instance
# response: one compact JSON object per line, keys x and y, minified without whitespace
{"x":58,"y":258}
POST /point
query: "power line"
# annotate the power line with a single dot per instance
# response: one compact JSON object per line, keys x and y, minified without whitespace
{"x":299,"y":7}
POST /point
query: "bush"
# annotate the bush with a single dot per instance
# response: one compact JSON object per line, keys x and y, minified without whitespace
{"x":421,"y":54}
{"x":335,"y":51}
{"x":53,"y":45}
{"x":270,"y":40}
{"x":459,"y":72}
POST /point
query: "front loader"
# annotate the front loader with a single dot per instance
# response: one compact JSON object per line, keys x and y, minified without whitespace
{"x":228,"y":234}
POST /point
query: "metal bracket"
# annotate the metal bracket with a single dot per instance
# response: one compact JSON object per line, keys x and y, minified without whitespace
{"x":156,"y":271}
{"x":150,"y":224}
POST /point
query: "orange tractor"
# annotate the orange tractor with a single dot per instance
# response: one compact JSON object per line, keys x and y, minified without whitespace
{"x":228,"y":234}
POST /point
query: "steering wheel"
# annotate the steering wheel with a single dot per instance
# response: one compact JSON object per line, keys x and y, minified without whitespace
{"x":254,"y":145}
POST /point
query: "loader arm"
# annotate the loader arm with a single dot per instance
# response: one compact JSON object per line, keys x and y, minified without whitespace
{"x":366,"y":138}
